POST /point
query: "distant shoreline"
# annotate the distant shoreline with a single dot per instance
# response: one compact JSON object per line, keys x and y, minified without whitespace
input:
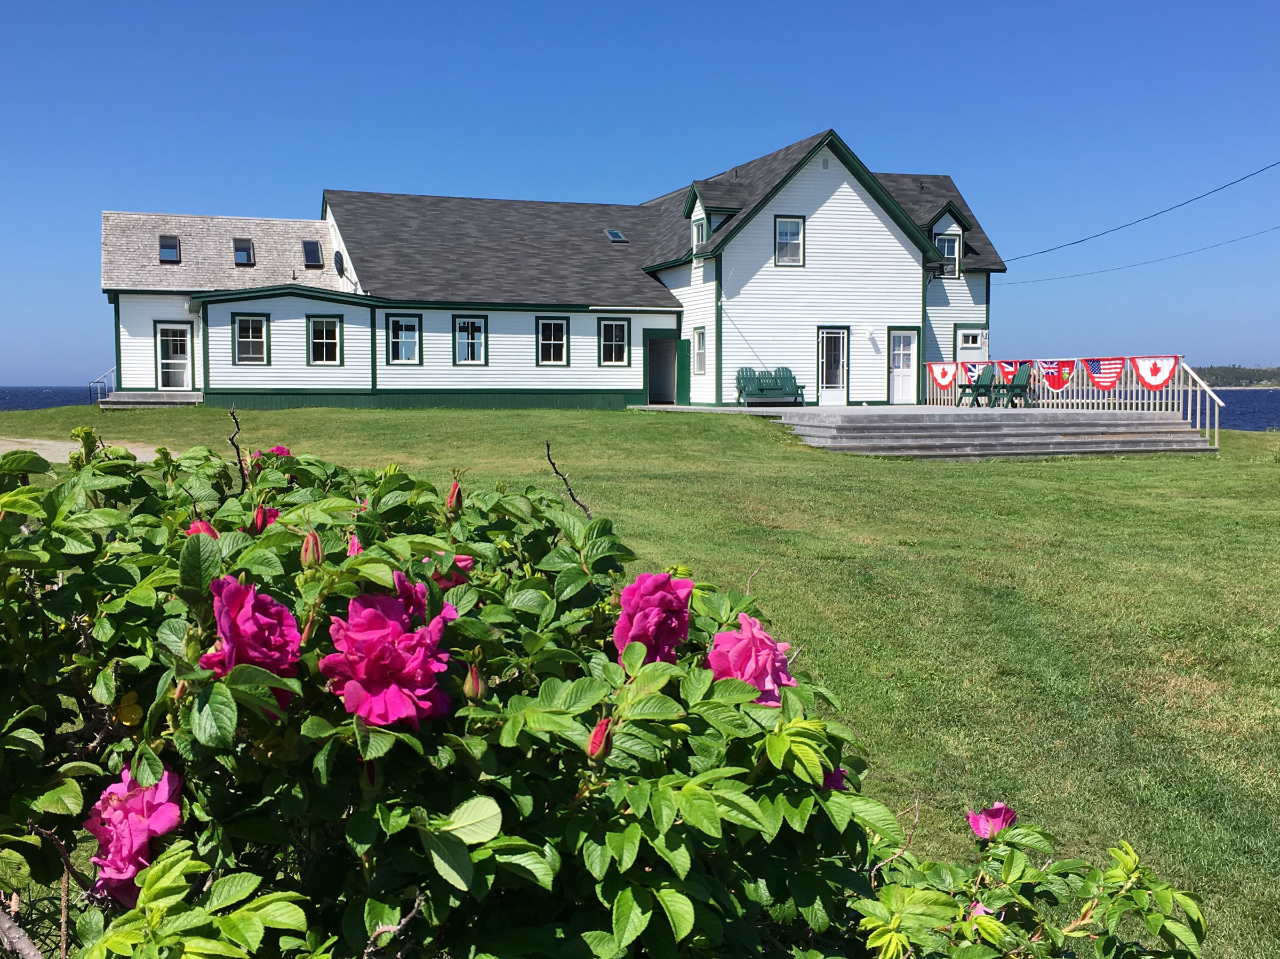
{"x":1212,"y":387}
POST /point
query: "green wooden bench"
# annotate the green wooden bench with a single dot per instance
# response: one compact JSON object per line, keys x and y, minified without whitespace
{"x":768,"y":386}
{"x":979,"y":390}
{"x":1008,"y":394}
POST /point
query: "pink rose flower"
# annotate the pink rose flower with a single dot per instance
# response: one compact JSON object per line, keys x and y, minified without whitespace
{"x":252,"y":628}
{"x":384,"y":670}
{"x":354,"y":548}
{"x":978,"y":909}
{"x":279,"y":451}
{"x":988,"y":822}
{"x":412,"y":596}
{"x":124,"y":820}
{"x":835,"y":779}
{"x":655,"y":611}
{"x":200,"y":526}
{"x":446,"y":581}
{"x":753,"y":656}
{"x":263,"y":517}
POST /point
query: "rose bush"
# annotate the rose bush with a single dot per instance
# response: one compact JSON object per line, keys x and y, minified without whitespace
{"x":312,"y":711}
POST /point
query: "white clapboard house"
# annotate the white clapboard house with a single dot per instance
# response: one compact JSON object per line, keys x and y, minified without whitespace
{"x":801,"y":259}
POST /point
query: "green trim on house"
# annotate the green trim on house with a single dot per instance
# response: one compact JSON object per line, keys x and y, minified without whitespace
{"x":155,"y":351}
{"x":804,"y":229}
{"x":386,"y":324}
{"x":690,"y":198}
{"x":600,"y":322}
{"x":950,"y":208}
{"x":204,"y":343}
{"x":719,"y":333}
{"x":341,"y":338}
{"x":888,"y":361}
{"x":119,"y":378}
{"x":537,"y":338}
{"x":988,"y":304}
{"x":490,"y":399}
{"x":266,"y":337}
{"x":484,"y":339}
{"x":373,"y":348}
{"x":955,"y":336}
{"x":686,"y":258}
{"x":117,"y":290}
{"x":683,"y":365}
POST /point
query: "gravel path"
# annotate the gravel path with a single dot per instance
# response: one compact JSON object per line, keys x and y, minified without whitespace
{"x":55,"y":451}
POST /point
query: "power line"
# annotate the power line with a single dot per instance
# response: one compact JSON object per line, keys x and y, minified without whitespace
{"x":1063,"y":246}
{"x":1071,"y":276}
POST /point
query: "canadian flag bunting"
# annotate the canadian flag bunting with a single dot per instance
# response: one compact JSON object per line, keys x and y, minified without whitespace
{"x":1057,"y":373}
{"x":1154,"y":372}
{"x":944,"y":374}
{"x":1104,"y":371}
{"x":973,"y":370}
{"x":1009,"y":368}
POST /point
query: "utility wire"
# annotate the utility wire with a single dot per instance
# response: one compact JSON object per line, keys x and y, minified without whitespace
{"x":1063,"y":246}
{"x":1071,"y":276}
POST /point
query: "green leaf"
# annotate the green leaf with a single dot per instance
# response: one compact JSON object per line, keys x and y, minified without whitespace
{"x":877,"y":818}
{"x":595,"y":856}
{"x":200,"y":946}
{"x":450,"y":857}
{"x":655,"y":706}
{"x":244,"y":928}
{"x":64,"y":799}
{"x":733,"y":691}
{"x":80,"y":768}
{"x":261,"y":562}
{"x":699,"y":809}
{"x":477,"y":820}
{"x":632,"y":910}
{"x":14,"y":873}
{"x":246,"y":674}
{"x":528,"y":865}
{"x":231,"y":889}
{"x":213,"y":721}
{"x":740,"y":808}
{"x":695,"y":685}
{"x":570,"y":582}
{"x":199,"y":562}
{"x":147,"y":767}
{"x":1177,"y":931}
{"x":624,"y":844}
{"x":16,"y":462}
{"x":378,"y":915}
{"x":633,"y":657}
{"x":582,"y":694}
{"x":104,"y":687}
{"x":25,"y":501}
{"x":806,"y":888}
{"x":679,"y":911}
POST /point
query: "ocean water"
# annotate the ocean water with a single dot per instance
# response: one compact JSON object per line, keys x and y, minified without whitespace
{"x":42,"y":397}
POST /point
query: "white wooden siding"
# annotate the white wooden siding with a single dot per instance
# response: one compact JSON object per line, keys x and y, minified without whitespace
{"x":953,"y":300}
{"x":288,"y":368}
{"x":946,"y":225}
{"x":512,"y":353}
{"x":860,"y":272}
{"x":694,"y":285}
{"x":350,"y":281}
{"x":138,"y":313}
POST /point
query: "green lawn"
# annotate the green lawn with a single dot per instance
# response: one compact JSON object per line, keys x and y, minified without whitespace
{"x":1093,"y":641}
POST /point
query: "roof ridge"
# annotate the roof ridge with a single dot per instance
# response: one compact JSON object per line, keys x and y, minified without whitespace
{"x":215,"y":216}
{"x":483,"y":199}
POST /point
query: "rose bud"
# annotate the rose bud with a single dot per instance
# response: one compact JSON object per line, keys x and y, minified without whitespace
{"x":353,"y":546}
{"x":312,"y":550}
{"x":454,"y":498}
{"x":200,"y":526}
{"x":474,"y":686}
{"x":263,"y":517}
{"x":601,"y":740}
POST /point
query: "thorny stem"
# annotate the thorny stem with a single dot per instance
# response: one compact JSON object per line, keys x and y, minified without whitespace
{"x":395,"y":930}
{"x":69,"y":869}
{"x":905,"y":846}
{"x":753,"y":576}
{"x":13,"y":939}
{"x":244,"y":473}
{"x":564,"y":479}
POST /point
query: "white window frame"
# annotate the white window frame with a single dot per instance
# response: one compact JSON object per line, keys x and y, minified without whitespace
{"x":549,"y":322}
{"x":699,"y":233}
{"x":700,"y":351}
{"x":950,"y":260}
{"x":480,"y":341}
{"x":315,"y":322}
{"x":977,"y":339}
{"x":778,"y":243}
{"x":626,"y":341}
{"x":394,"y":342}
{"x":240,"y":338}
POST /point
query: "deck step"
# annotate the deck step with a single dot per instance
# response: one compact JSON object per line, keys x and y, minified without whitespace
{"x":149,"y":399}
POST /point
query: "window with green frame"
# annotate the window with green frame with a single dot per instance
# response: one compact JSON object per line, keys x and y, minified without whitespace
{"x":471,"y":341}
{"x":553,"y":341}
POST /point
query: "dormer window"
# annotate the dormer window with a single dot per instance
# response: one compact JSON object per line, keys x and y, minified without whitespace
{"x":312,"y":258}
{"x":615,"y":236}
{"x":170,"y":250}
{"x":699,"y":233}
{"x":243,"y":252}
{"x":949,"y":246}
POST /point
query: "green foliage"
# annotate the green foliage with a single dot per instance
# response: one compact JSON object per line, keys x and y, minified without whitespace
{"x":704,"y":830}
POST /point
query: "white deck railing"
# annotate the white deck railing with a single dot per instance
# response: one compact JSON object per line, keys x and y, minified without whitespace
{"x":103,"y":386}
{"x":1186,"y":395}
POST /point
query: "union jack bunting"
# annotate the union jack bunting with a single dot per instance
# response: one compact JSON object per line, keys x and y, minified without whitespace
{"x":973,"y":370}
{"x":1154,"y":372}
{"x":1104,"y":371}
{"x":1009,"y":368}
{"x":1057,"y":373}
{"x":944,"y":374}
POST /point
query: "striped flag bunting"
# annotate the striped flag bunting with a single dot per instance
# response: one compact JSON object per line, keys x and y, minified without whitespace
{"x":1056,"y":373}
{"x":1009,"y":368}
{"x":973,"y":370}
{"x":1104,"y":371}
{"x":1154,"y":372}
{"x":944,"y":374}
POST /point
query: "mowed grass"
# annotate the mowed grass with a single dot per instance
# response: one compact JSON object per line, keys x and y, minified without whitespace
{"x":1093,"y":641}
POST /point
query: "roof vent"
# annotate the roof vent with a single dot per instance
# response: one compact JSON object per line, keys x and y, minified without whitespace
{"x":615,"y":236}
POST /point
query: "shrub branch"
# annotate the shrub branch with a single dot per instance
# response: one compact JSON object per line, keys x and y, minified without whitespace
{"x":564,"y":479}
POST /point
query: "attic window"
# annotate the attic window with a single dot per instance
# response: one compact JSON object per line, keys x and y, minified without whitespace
{"x":243,"y":252}
{"x":615,"y":236}
{"x":311,"y":256}
{"x":949,"y":247}
{"x":170,"y":250}
{"x":826,"y":163}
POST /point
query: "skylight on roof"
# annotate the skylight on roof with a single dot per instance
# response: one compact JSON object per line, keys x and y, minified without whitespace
{"x":243,"y":251}
{"x":170,"y":250}
{"x":615,"y":236}
{"x":311,"y":255}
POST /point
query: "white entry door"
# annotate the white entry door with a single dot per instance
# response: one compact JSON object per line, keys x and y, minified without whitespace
{"x":174,"y":357}
{"x":902,"y":367}
{"x":833,"y":380}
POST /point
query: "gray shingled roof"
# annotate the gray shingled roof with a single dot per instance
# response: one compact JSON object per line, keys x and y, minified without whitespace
{"x":131,"y":252}
{"x":466,"y":250}
{"x":922,"y":195}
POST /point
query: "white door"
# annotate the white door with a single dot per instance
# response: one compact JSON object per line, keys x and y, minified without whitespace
{"x":174,"y":357}
{"x":833,"y":353}
{"x":902,"y":367}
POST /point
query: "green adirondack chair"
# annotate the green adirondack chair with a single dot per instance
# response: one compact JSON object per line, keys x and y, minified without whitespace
{"x":979,"y":390}
{"x":1008,"y":394}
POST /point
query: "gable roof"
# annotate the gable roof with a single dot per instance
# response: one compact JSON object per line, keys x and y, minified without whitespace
{"x":131,"y":252}
{"x":468,"y":250}
{"x":926,"y":197}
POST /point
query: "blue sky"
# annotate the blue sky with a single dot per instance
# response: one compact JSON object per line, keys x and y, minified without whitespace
{"x":1056,"y":120}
